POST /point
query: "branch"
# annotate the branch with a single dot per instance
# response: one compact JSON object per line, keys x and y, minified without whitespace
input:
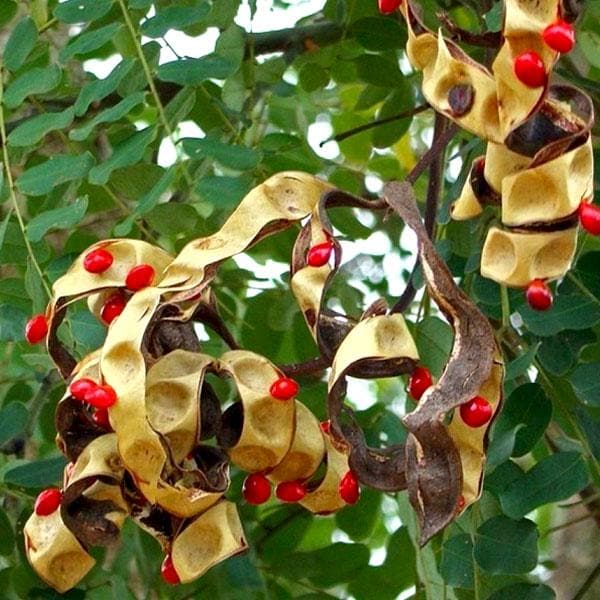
{"x":488,"y":39}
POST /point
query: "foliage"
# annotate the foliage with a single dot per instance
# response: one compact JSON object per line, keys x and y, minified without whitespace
{"x":84,"y":160}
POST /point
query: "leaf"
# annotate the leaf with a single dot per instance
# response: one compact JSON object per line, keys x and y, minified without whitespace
{"x":13,"y":419}
{"x":88,"y":41}
{"x":128,"y":152}
{"x":524,"y":591}
{"x":400,"y":99}
{"x":378,"y":33}
{"x":312,"y":77}
{"x":223,"y":192}
{"x":506,"y":546}
{"x":7,"y":535}
{"x":59,"y":169}
{"x":35,"y":128}
{"x":586,"y":384}
{"x":35,"y":287}
{"x":568,"y":312}
{"x":377,"y":70}
{"x":58,"y":218}
{"x":173,"y":220}
{"x":240,"y":158}
{"x":8,"y":9}
{"x":434,"y":342}
{"x":114,"y":113}
{"x":457,"y":564}
{"x":174,"y":17}
{"x":35,"y":81}
{"x":95,"y":91}
{"x":37,"y":473}
{"x":521,"y":364}
{"x":589,"y":43}
{"x":359,"y":520}
{"x":82,"y":11}
{"x":554,"y":478}
{"x":193,"y":71}
{"x":231,"y":44}
{"x":3,"y":228}
{"x":559,"y":353}
{"x":20,"y":43}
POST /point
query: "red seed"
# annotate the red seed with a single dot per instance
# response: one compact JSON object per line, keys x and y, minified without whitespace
{"x":112,"y":308}
{"x":36,"y":329}
{"x":168,"y":572}
{"x":388,"y":6}
{"x":461,"y":502}
{"x":82,"y":387}
{"x":47,"y":502}
{"x":100,"y":417}
{"x":97,"y":261}
{"x":284,"y":389}
{"x":419,"y":382}
{"x":257,"y":489}
{"x":539,"y":295}
{"x":103,"y":396}
{"x":560,"y":36}
{"x":349,"y":488}
{"x":139,"y":277}
{"x":325,"y":426}
{"x":589,"y":217}
{"x":530,"y":70}
{"x":290,"y":491}
{"x":476,"y":412}
{"x":319,"y":254}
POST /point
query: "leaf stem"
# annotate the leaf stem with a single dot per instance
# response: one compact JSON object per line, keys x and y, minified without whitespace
{"x":582,"y":287}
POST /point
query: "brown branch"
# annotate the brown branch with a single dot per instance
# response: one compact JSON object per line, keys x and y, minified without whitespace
{"x":488,"y":39}
{"x":313,"y":365}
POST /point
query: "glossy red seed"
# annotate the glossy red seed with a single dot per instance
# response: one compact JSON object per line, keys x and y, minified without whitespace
{"x":257,"y":489}
{"x":100,"y":417}
{"x":103,"y":396}
{"x":560,"y":36}
{"x":319,"y":254}
{"x":349,"y":488}
{"x":82,"y":387}
{"x":539,"y":295}
{"x":36,"y":329}
{"x":389,"y":6}
{"x":325,"y":426}
{"x":284,"y":389}
{"x":112,"y":308}
{"x":139,"y":277}
{"x":476,"y":412}
{"x":461,"y":502}
{"x":290,"y":491}
{"x":168,"y":572}
{"x":47,"y":502}
{"x":97,"y":261}
{"x":530,"y":70}
{"x":589,"y":217}
{"x":419,"y":382}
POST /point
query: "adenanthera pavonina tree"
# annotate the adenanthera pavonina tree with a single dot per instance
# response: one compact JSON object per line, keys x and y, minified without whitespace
{"x":188,"y":396}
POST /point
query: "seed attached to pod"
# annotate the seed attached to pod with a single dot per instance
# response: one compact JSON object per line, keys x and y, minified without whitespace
{"x":325,"y":426}
{"x":387,"y":7}
{"x":97,"y":261}
{"x":284,"y":388}
{"x":539,"y":295}
{"x":100,"y":417}
{"x":290,"y":491}
{"x":140,"y":277}
{"x":319,"y":254}
{"x":256,"y":489}
{"x":47,"y":502}
{"x":560,"y":36}
{"x":589,"y":217}
{"x":112,"y":308}
{"x":103,"y":396}
{"x":419,"y":382}
{"x":36,"y":329}
{"x":168,"y":572}
{"x":349,"y":488}
{"x":476,"y":412}
{"x":530,"y":70}
{"x":461,"y":98}
{"x":82,"y":387}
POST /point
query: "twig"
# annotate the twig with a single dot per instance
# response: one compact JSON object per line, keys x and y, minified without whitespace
{"x":305,"y":368}
{"x":587,"y":584}
{"x":488,"y":39}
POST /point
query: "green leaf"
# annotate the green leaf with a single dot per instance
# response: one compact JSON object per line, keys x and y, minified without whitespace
{"x":434,"y":341}
{"x":58,"y":218}
{"x":240,"y":158}
{"x":8,"y":9}
{"x":399,"y":100}
{"x":94,"y":91}
{"x":20,"y":43}
{"x":554,"y":478}
{"x":377,"y":70}
{"x":589,"y":42}
{"x":559,"y":353}
{"x":3,"y":228}
{"x":457,"y":565}
{"x":521,"y":364}
{"x":13,"y":419}
{"x":114,"y":113}
{"x":82,"y":11}
{"x":174,"y":17}
{"x":128,"y":152}
{"x":193,"y":71}
{"x":378,"y":33}
{"x":568,"y":312}
{"x":506,"y":546}
{"x":586,"y":384}
{"x":173,"y":220}
{"x":223,"y":192}
{"x":232,"y":44}
{"x":7,"y":535}
{"x":59,"y":169}
{"x":88,"y":41}
{"x":524,"y":591}
{"x":312,"y":77}
{"x":37,"y":474}
{"x":35,"y":287}
{"x":493,"y":18}
{"x":87,"y":330}
{"x":35,"y":128}
{"x":359,"y":520}
{"x":35,"y":81}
